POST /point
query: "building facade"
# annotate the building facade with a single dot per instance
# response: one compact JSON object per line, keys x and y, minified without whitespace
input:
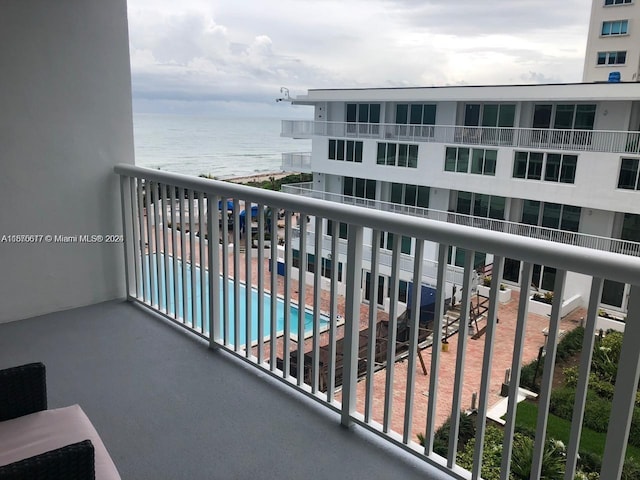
{"x":613,"y":44}
{"x":558,"y":162}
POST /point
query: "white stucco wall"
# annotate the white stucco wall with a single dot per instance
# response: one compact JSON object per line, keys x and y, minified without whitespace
{"x":65,"y":121}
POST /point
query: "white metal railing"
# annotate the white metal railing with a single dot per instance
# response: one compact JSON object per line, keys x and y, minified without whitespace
{"x":539,"y":138}
{"x":296,"y":162}
{"x":596,"y":242}
{"x":199,"y":285}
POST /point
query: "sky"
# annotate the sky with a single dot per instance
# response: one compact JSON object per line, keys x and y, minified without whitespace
{"x":231,"y":57}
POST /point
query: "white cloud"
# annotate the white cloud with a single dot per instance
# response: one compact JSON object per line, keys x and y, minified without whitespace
{"x":244,"y":51}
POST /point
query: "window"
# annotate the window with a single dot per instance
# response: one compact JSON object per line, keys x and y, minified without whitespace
{"x":564,"y":116}
{"x":456,"y":160}
{"x":617,"y":27}
{"x":628,"y":178}
{"x":415,"y":114}
{"x":557,"y":167}
{"x":483,"y":162}
{"x":617,"y":2}
{"x":489,"y":115}
{"x":459,"y":159}
{"x":386,"y":242}
{"x":347,"y":150}
{"x":480,"y":205}
{"x":363,"y":112}
{"x":498,"y":115}
{"x":398,"y":154}
{"x":359,"y":187}
{"x":366,"y":114}
{"x":413,"y":119}
{"x":528,"y":165}
{"x":342,"y":229}
{"x":551,"y":215}
{"x":560,"y":168}
{"x":412,"y":195}
{"x":612,"y":58}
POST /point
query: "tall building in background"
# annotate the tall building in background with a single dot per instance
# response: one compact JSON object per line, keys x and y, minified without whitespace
{"x":613,"y":44}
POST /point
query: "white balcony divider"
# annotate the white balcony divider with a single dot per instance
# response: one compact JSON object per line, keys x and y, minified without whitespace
{"x":556,"y":139}
{"x":305,"y":189}
{"x":296,"y":162}
{"x":204,"y":284}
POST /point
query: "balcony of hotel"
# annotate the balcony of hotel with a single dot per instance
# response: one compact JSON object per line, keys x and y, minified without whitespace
{"x":595,"y":242}
{"x":605,"y":141}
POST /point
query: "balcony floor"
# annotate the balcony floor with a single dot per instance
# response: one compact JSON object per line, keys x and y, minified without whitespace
{"x":166,"y":406}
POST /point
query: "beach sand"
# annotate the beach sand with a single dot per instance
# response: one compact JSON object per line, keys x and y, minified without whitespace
{"x":262,"y":177}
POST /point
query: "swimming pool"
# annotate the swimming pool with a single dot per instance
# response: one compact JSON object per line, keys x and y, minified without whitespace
{"x":197,"y":316}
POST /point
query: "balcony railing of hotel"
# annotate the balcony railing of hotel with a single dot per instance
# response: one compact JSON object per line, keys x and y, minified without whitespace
{"x":555,"y":139}
{"x":197,"y":281}
{"x":607,"y":244}
{"x":453,"y":276}
{"x":296,"y":162}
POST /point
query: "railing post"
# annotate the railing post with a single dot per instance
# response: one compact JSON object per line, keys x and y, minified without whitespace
{"x":352,"y":323}
{"x":213,"y":253}
{"x":625,"y":392}
{"x":127,"y":232}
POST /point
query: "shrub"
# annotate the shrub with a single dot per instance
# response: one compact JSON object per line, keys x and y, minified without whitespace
{"x":491,"y":453}
{"x":596,"y":412}
{"x":529,"y":375}
{"x":466,"y":431}
{"x":544,"y":298}
{"x":570,"y":375}
{"x":553,"y":459}
{"x":561,"y":402}
{"x":570,"y":344}
{"x":630,"y":470}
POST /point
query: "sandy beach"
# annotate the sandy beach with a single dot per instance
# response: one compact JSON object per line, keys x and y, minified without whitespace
{"x":261,"y":177}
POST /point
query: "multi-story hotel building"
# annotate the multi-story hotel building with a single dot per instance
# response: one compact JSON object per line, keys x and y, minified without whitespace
{"x":558,"y":162}
{"x":613,"y":43}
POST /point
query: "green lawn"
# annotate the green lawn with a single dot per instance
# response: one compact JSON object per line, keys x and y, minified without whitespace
{"x":560,"y":429}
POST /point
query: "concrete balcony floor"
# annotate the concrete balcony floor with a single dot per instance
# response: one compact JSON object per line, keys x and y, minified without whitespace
{"x":167,"y":406}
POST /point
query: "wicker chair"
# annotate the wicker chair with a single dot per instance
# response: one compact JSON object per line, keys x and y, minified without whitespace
{"x":23,"y":391}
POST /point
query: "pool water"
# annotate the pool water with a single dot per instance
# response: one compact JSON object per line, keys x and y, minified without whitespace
{"x":197,"y":316}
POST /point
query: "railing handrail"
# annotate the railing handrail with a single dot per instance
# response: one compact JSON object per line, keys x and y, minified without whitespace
{"x":614,"y":266}
{"x":596,"y":242}
{"x":466,"y":127}
{"x":618,"y":141}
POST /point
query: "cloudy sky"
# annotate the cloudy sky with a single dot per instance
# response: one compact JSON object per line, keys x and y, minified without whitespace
{"x":232,"y":56}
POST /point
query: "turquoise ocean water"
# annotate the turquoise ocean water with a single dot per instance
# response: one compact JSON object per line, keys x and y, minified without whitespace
{"x":222,"y":147}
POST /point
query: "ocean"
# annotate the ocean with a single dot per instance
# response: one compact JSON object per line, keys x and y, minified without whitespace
{"x":221,"y":147}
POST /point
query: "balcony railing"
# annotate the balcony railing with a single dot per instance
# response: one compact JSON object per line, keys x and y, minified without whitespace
{"x":595,"y":242}
{"x":454,"y":275}
{"x":197,"y":282}
{"x":296,"y":162}
{"x":538,"y":138}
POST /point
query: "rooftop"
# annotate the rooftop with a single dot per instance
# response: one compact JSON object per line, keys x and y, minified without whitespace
{"x":532,"y":92}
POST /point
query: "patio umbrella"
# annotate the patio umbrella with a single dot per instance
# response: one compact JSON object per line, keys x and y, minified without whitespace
{"x":229,"y":205}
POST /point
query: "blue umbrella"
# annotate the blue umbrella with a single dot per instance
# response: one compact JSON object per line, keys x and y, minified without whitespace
{"x":229,"y":204}
{"x":254,"y":212}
